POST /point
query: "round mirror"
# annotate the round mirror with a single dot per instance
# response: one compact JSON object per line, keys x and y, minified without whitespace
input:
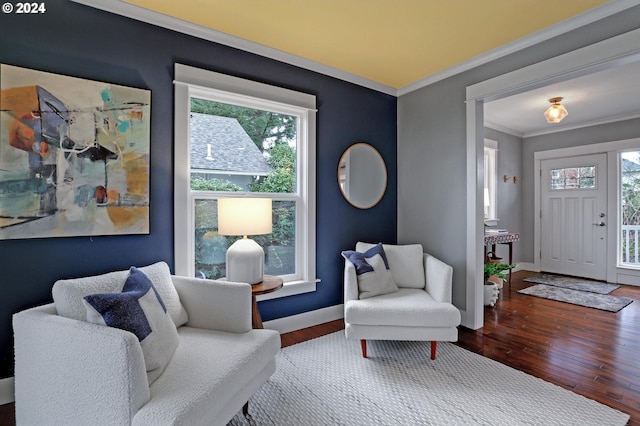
{"x":362,"y":175}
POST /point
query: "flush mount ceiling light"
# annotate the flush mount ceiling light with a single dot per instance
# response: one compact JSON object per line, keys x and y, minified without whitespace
{"x":556,"y":112}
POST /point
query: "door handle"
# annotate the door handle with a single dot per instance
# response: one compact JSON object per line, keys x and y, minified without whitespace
{"x":599,"y":224}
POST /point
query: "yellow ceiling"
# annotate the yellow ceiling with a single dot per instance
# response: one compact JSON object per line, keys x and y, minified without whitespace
{"x":393,"y":42}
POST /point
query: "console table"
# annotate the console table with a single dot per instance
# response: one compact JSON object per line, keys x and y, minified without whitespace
{"x":491,"y":239}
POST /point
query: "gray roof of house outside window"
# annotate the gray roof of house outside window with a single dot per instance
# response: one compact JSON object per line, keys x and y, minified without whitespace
{"x":630,"y":166}
{"x":232,"y":150}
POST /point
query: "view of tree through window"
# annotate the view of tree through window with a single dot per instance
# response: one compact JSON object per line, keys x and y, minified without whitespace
{"x":239,"y":149}
{"x":630,"y":207}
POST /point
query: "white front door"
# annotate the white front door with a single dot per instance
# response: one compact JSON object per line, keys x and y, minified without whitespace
{"x":573,"y":218}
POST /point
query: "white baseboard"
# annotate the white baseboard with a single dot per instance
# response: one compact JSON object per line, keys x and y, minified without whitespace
{"x":7,"y":393}
{"x":466,"y":320}
{"x":526,"y":266}
{"x":306,"y":319}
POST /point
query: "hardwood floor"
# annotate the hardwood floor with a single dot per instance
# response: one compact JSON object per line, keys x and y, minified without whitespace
{"x":591,"y":352}
{"x":7,"y":415}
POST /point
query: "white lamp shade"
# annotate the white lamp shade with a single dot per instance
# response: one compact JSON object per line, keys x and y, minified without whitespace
{"x":244,"y":216}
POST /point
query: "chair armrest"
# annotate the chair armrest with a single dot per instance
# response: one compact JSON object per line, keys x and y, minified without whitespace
{"x":438,"y":276}
{"x":215,"y":305}
{"x":350,"y":282}
{"x":74,"y":372}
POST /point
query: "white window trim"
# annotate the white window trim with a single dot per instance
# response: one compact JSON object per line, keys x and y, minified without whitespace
{"x":615,"y":274}
{"x":491,"y":147}
{"x":190,"y":81}
{"x":618,"y":218}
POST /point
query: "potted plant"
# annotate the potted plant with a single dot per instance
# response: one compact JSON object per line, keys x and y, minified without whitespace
{"x":494,"y":276}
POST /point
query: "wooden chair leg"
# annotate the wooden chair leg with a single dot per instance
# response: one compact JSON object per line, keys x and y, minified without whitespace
{"x":363,"y":344}
{"x":245,"y":409}
{"x":434,"y":344}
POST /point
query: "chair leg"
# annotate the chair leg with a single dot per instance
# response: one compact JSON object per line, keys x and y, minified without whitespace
{"x":434,"y":344}
{"x":245,"y":409}
{"x":363,"y":344}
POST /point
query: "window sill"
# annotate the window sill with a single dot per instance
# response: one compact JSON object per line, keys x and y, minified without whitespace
{"x":491,"y":222}
{"x":289,"y":289}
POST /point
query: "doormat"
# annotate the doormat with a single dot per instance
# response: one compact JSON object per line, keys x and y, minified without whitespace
{"x":603,"y":302}
{"x":573,"y":283}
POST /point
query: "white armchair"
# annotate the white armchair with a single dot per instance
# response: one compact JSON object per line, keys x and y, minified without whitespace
{"x":72,"y":372}
{"x":419,"y":308}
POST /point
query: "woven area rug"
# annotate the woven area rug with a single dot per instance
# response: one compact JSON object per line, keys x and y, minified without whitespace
{"x":603,"y":302}
{"x":326,"y":381}
{"x":573,"y":283}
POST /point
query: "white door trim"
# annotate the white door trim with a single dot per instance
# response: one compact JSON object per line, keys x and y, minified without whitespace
{"x":572,"y":245}
{"x":612,"y":207}
{"x":605,"y":54}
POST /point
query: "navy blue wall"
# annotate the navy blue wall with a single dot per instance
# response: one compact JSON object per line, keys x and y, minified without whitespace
{"x":76,"y":40}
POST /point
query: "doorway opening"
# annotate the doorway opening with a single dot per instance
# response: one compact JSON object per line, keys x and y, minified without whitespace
{"x":599,"y":56}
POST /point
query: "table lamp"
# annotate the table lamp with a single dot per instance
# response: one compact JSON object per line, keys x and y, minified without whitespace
{"x":245,"y":216}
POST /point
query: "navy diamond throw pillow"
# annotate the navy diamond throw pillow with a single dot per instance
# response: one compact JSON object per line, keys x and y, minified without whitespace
{"x":139,"y":309}
{"x":359,"y":260}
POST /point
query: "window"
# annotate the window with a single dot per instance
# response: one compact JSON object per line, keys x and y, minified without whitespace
{"x":629,"y":253}
{"x":490,"y":178}
{"x":573,"y":178}
{"x":237,"y":138}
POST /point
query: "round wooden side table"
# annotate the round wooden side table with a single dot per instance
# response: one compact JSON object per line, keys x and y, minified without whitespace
{"x":269,"y":284}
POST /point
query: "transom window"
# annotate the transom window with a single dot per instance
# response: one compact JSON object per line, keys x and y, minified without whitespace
{"x":234,"y":143}
{"x":583,"y":177}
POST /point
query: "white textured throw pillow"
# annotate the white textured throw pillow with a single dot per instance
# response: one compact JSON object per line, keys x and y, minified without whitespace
{"x":139,"y":309}
{"x":377,"y":282}
{"x":68,"y":294}
{"x":160,"y":276}
{"x":405,"y":261}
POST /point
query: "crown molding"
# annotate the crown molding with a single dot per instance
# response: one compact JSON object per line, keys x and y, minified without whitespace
{"x":503,"y":129}
{"x":556,"y":129}
{"x":600,"y":12}
{"x":122,"y":8}
{"x":608,"y":120}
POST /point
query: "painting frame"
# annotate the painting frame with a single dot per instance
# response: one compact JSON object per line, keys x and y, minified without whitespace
{"x":74,"y":156}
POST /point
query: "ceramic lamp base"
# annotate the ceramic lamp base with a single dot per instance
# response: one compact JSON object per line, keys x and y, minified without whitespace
{"x":245,"y":262}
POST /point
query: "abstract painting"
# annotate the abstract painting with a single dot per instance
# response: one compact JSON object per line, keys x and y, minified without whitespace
{"x":74,"y":156}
